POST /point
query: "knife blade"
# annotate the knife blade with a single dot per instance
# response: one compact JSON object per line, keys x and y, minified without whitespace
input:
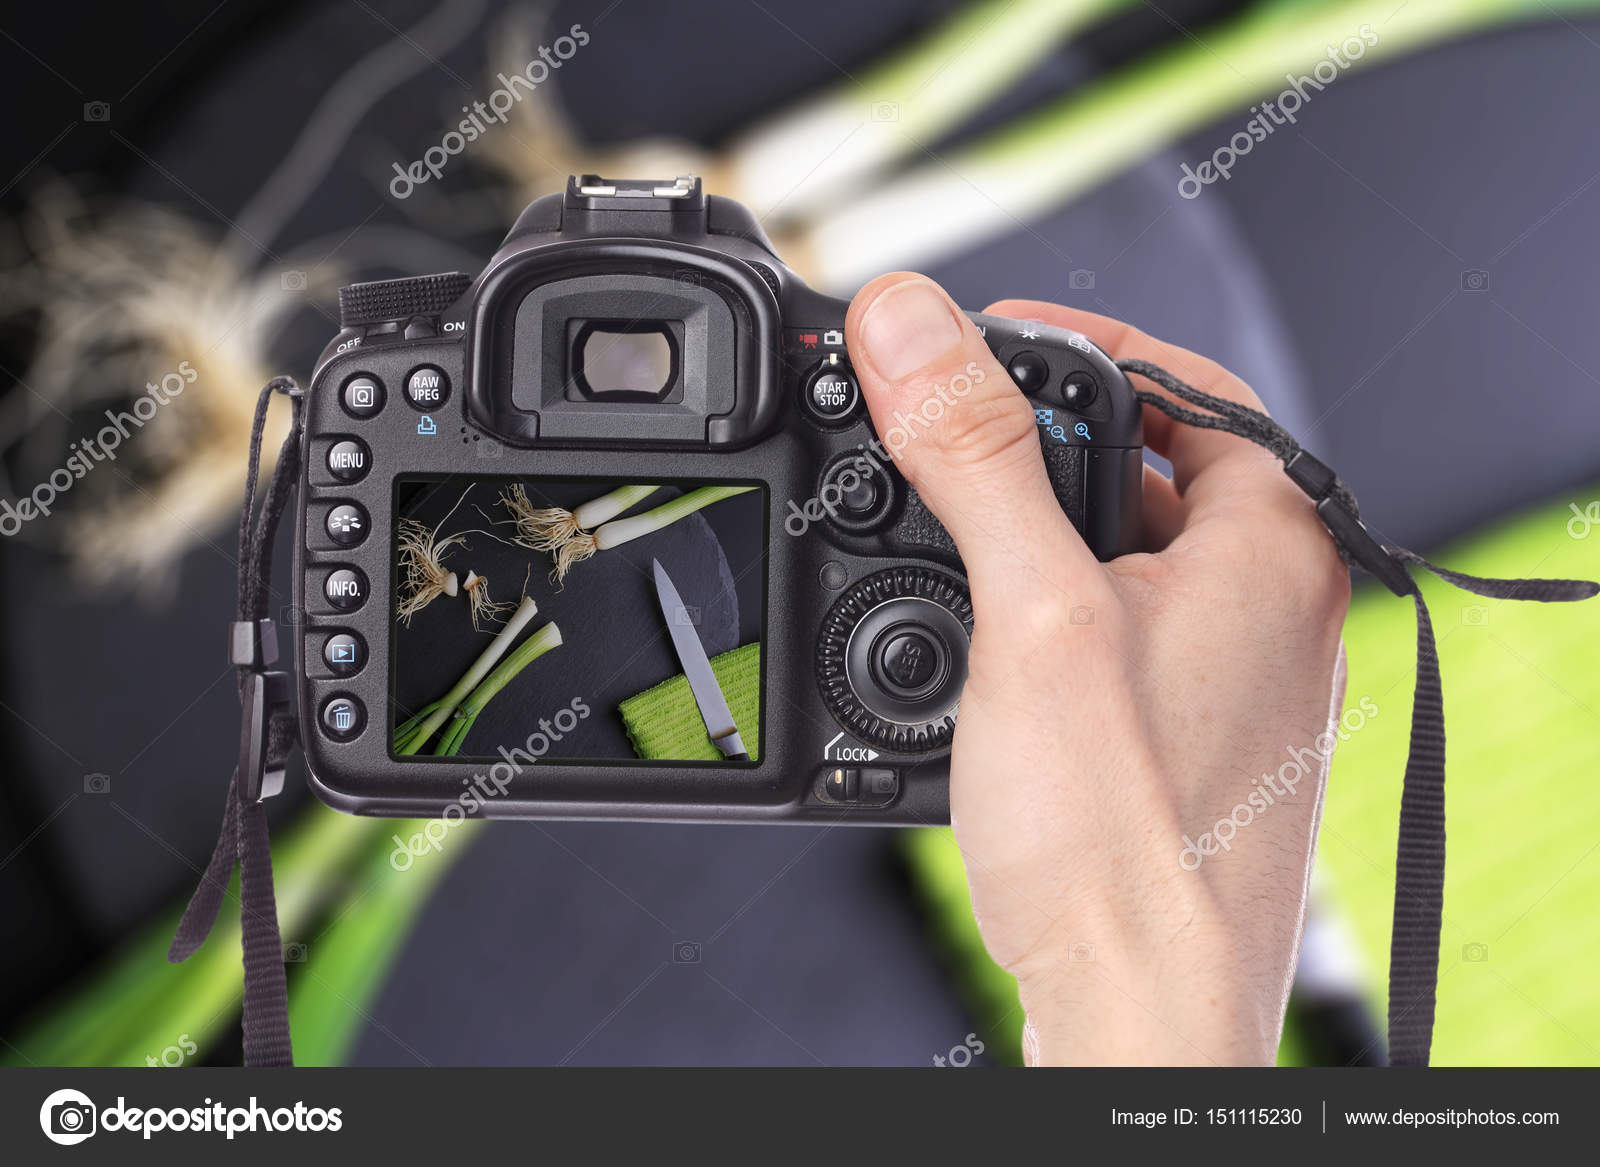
{"x":697,"y":669}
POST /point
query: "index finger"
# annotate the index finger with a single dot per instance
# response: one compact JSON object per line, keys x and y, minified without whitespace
{"x":1196,"y":454}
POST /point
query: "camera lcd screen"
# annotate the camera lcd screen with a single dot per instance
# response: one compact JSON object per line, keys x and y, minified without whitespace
{"x":531,"y":622}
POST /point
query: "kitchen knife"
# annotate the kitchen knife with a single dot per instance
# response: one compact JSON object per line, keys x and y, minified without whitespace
{"x":697,"y":669}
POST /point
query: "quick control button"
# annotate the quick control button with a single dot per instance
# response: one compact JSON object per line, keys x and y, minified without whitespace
{"x":831,"y":393}
{"x":345,"y":589}
{"x":427,"y":388}
{"x":1029,"y":371}
{"x":342,"y":718}
{"x":892,"y":658}
{"x":349,"y":460}
{"x":1079,"y":390}
{"x":362,"y":396}
{"x":344,"y":654}
{"x":347,"y":524}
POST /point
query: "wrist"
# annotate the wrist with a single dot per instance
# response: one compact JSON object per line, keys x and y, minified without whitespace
{"x":1090,"y":1010}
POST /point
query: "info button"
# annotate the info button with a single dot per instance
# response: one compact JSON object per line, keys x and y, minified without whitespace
{"x":427,"y":388}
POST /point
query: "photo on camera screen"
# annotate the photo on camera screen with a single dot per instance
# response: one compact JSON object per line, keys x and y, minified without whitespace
{"x":578,"y":620}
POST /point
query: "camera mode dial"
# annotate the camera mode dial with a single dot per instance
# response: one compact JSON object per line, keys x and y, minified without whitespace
{"x":892,"y":658}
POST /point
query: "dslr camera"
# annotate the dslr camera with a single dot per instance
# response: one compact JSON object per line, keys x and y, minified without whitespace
{"x":639,"y":426}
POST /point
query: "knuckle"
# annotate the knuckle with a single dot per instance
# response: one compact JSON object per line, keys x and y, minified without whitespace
{"x":978,"y":429}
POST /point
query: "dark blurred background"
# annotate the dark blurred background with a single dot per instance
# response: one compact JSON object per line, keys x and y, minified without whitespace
{"x":1406,"y":276}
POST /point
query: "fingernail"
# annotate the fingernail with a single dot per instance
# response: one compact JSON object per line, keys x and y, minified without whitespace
{"x":908,"y":326}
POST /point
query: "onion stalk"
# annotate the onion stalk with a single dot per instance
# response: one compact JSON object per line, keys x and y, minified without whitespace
{"x":899,"y":106}
{"x":413,"y":733}
{"x":619,"y":531}
{"x":467,"y":712}
{"x":1082,"y":140}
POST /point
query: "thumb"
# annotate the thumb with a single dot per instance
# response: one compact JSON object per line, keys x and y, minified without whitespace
{"x":961,"y":432}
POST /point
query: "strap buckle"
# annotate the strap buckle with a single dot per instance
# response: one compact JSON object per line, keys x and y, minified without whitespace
{"x":1316,"y":478}
{"x":260,"y":775}
{"x":253,"y":644}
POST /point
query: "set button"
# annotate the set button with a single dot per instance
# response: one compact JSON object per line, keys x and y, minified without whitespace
{"x":345,"y":589}
{"x":347,"y":524}
{"x":362,"y":396}
{"x":349,"y":459}
{"x":427,"y":388}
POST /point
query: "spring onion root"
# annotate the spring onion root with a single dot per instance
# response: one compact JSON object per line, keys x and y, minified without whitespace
{"x":413,"y":733}
{"x":551,"y":528}
{"x":423,"y":575}
{"x":484,"y":610}
{"x":620,"y":531}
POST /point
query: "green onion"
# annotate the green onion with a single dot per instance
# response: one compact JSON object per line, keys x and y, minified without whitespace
{"x":467,"y":712}
{"x":609,"y":506}
{"x":583,"y":544}
{"x":1080,"y":141}
{"x":620,"y":531}
{"x":415,"y":731}
{"x":820,"y":152}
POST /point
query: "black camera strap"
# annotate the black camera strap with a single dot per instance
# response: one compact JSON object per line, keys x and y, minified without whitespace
{"x":1419,"y":859}
{"x":269,"y":734}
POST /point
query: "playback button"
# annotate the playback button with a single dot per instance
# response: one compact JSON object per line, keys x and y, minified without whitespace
{"x":344,"y":654}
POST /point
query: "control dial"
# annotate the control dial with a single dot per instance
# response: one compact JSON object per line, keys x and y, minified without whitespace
{"x":892,"y":658}
{"x":380,"y":301}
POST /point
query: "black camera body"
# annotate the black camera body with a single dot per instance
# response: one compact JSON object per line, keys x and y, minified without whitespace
{"x":645,"y":333}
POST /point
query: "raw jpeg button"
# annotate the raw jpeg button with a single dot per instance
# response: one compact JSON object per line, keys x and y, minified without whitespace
{"x":427,"y":388}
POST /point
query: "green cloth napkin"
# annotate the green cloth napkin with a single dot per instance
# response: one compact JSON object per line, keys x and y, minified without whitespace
{"x":664,"y":722}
